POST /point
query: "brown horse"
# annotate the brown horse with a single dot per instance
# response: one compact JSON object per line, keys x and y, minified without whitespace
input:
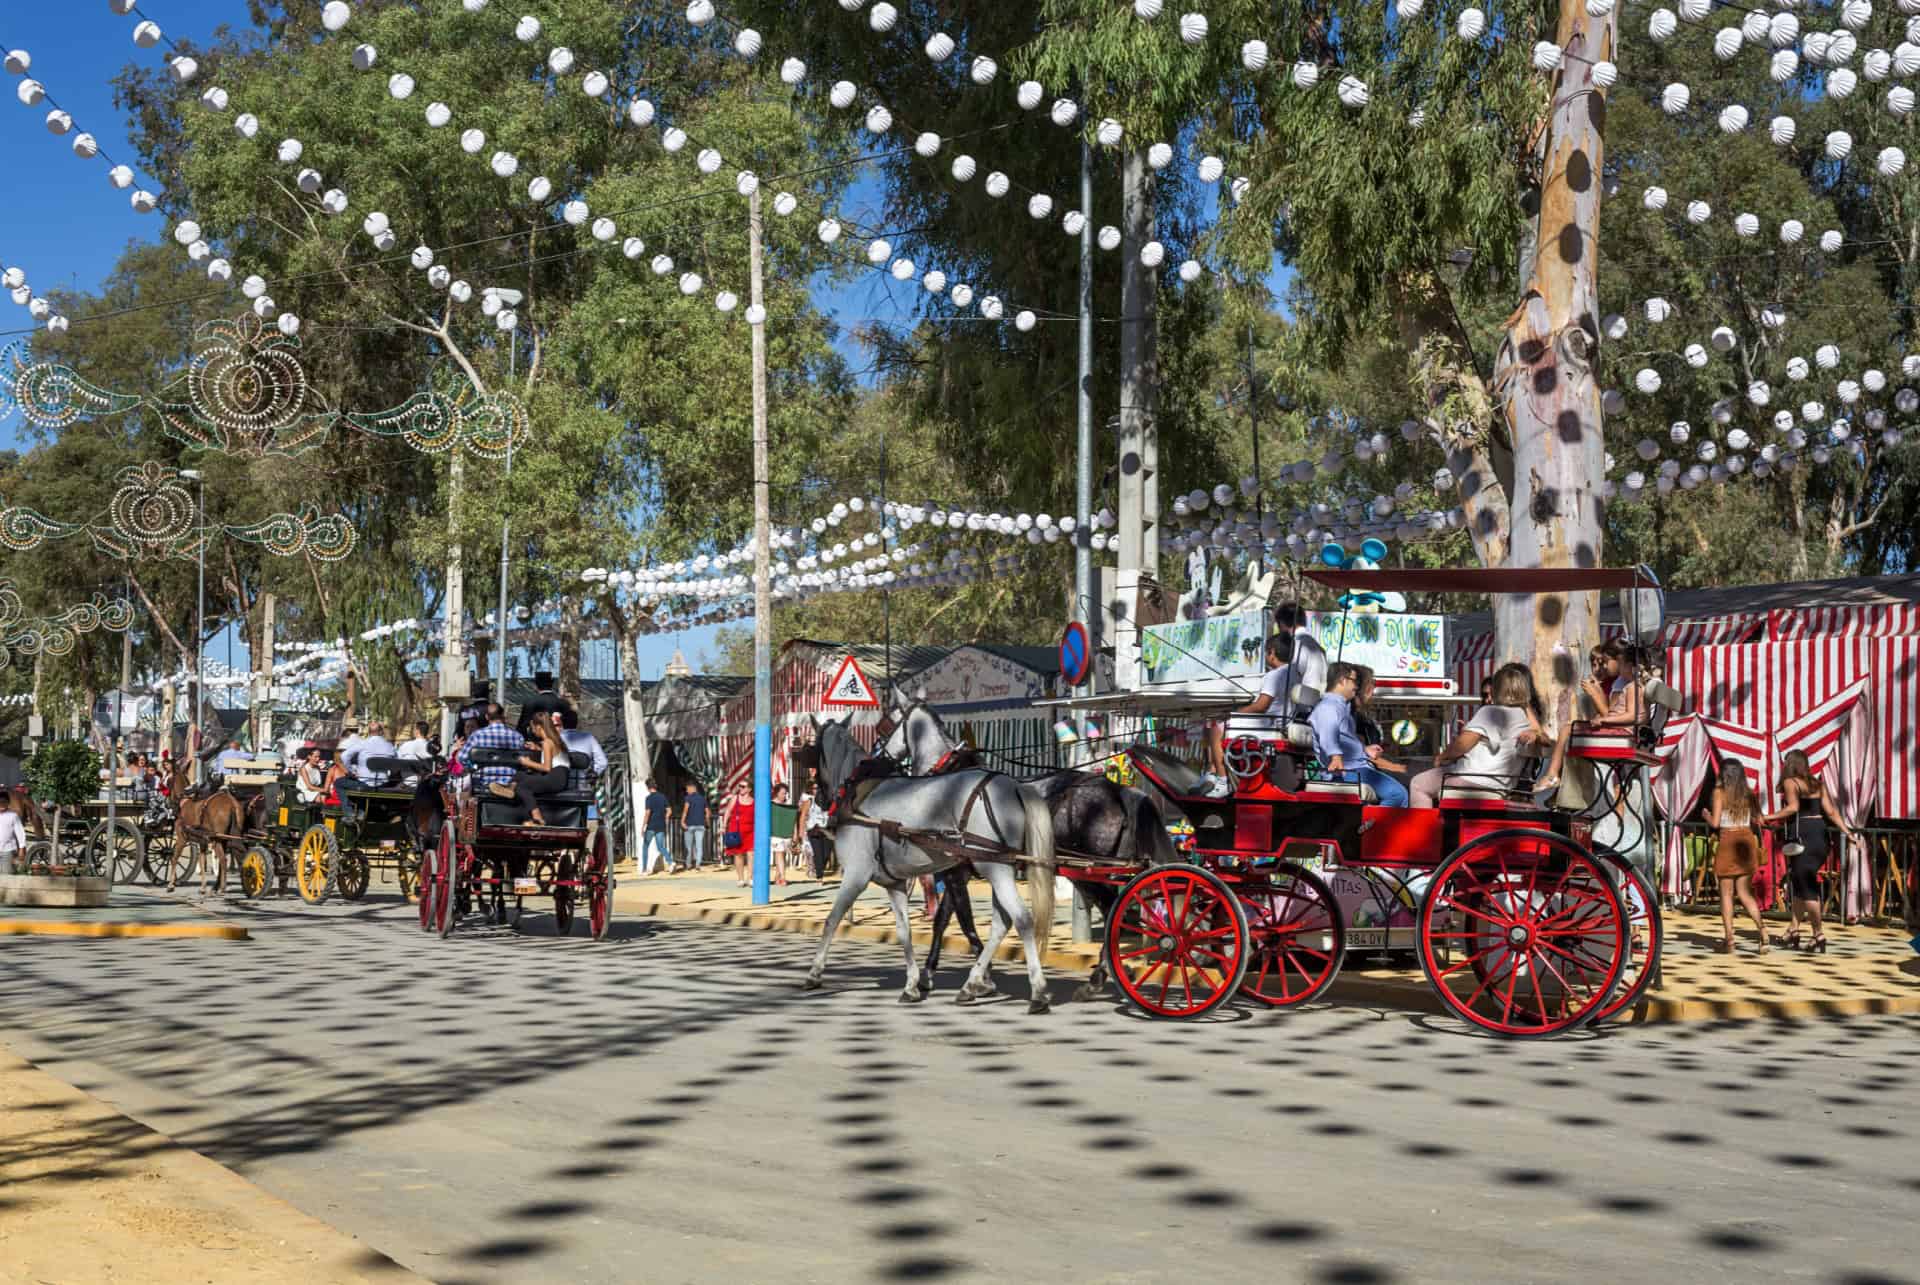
{"x":211,"y":820}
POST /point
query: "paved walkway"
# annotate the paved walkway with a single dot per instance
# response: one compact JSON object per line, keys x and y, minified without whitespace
{"x":1866,"y":970}
{"x":91,"y":1195}
{"x":136,"y":910}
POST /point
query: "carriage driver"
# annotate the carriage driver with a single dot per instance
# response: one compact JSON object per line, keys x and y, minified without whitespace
{"x":1272,"y":697}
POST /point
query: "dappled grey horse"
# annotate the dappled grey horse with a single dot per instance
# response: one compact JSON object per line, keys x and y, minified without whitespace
{"x":893,"y":830}
{"x":1092,"y":817}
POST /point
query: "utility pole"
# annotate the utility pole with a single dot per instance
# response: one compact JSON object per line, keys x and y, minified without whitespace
{"x":1083,"y":459}
{"x":455,"y":686}
{"x":261,"y":712}
{"x":110,"y":844}
{"x":509,"y":298}
{"x":199,"y":627}
{"x":762,"y":586}
{"x":1139,"y":488}
{"x":886,"y":594}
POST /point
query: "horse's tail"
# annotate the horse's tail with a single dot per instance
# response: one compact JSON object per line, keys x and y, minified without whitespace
{"x":1040,"y":859}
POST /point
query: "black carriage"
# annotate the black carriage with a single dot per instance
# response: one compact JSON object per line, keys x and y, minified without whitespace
{"x":333,"y":844}
{"x":492,"y":857}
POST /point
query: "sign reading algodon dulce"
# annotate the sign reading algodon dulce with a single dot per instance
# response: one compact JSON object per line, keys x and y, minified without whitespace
{"x":970,"y":676}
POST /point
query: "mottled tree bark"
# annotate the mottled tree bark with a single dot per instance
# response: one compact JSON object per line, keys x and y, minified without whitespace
{"x":1544,"y":378}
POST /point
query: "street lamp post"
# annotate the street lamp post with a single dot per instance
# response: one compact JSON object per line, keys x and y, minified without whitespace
{"x":199,"y":619}
{"x":507,"y":298}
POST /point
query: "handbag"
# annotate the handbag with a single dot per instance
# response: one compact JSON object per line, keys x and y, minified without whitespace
{"x":1793,"y":847}
{"x":732,"y":839}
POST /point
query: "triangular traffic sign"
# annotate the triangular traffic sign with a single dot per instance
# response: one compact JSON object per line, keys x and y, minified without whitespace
{"x":850,"y":688}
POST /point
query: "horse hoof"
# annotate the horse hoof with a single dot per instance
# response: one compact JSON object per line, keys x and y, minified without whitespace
{"x":912,"y":996}
{"x":1085,"y":994}
{"x":965,"y":997}
{"x":1040,"y":1004}
{"x":810,"y":984}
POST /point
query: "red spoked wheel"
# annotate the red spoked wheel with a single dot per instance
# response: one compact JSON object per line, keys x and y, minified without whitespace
{"x":1646,"y":934}
{"x":427,"y":885}
{"x":1522,"y":933}
{"x":1177,"y":942}
{"x":448,"y":877}
{"x":1296,"y":935}
{"x":599,"y":887}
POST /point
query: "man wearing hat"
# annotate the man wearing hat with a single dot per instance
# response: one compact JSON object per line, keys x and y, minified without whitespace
{"x":543,"y":701}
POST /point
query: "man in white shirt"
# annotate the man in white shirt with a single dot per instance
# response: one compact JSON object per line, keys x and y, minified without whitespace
{"x":371,"y":746}
{"x":1307,"y":665}
{"x":579,"y":742}
{"x":415,"y":749}
{"x":1273,"y":691}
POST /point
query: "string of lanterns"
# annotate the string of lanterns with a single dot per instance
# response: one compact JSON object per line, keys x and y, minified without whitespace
{"x":39,"y":308}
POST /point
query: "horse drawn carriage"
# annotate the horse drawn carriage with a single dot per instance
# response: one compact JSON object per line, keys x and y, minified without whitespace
{"x":333,"y":844}
{"x":1531,"y":921}
{"x":485,"y":853}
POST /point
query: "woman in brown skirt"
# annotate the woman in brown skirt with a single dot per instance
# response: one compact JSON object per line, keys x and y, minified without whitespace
{"x":1737,"y":855}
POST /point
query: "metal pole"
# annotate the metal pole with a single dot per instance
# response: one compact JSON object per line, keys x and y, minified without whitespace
{"x":886,"y":596}
{"x":1253,"y":411}
{"x":506,"y":521}
{"x":199,"y":640}
{"x":762,"y":588}
{"x":1083,"y":463}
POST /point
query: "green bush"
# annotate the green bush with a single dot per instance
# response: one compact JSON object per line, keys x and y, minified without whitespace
{"x":62,"y":774}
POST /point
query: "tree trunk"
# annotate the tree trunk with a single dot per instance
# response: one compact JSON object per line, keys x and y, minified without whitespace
{"x":1544,"y":377}
{"x":1139,"y":541}
{"x":568,"y":679}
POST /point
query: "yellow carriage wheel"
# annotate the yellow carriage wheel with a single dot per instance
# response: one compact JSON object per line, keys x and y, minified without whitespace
{"x":315,"y":864}
{"x":256,"y":871}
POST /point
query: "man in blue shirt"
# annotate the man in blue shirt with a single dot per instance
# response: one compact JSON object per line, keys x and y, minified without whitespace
{"x":654,"y":843}
{"x":693,"y":824}
{"x":496,"y":735}
{"x":1339,"y":745}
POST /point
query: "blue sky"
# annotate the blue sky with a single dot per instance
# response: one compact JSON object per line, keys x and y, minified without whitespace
{"x":65,"y":225}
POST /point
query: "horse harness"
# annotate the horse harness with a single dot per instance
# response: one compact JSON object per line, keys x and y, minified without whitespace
{"x":955,"y":843}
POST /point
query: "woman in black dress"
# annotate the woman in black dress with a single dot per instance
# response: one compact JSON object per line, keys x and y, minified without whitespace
{"x":1807,"y":807}
{"x":544,"y":768}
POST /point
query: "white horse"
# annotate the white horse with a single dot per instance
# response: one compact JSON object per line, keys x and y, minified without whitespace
{"x":901,"y":828}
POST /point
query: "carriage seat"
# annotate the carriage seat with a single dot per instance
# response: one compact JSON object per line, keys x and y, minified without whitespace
{"x":1176,"y":777}
{"x":565,"y":809}
{"x":1469,"y":789}
{"x":1340,"y":791}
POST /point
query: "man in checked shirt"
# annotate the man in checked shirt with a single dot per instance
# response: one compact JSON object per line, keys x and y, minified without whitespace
{"x":496,"y":735}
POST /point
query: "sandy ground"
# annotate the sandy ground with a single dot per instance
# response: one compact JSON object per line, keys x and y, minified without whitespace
{"x":87,"y":1194}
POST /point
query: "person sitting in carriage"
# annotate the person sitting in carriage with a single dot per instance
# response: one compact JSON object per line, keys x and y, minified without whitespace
{"x":1294,"y":659}
{"x":1337,"y":741}
{"x":1491,"y":751}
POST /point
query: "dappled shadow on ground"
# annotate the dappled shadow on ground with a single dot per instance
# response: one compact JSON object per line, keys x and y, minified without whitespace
{"x":1351,"y":1089}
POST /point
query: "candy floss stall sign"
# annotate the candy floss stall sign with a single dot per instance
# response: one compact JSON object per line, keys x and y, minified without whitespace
{"x":973,"y":677}
{"x":1192,"y":651}
{"x":1404,"y":651}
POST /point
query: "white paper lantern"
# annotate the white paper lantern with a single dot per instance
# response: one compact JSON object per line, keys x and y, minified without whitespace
{"x":1733,"y":119}
{"x":1108,"y":237}
{"x":1211,"y":168}
{"x":1604,"y":74}
{"x":673,"y":138}
{"x":982,"y":70}
{"x":879,"y":251}
{"x":991,"y":308}
{"x":1698,"y":212}
{"x":1841,"y":83}
{"x":1064,"y":112}
{"x":1472,"y":24}
{"x":438,"y":114}
{"x":1353,"y":91}
{"x":1647,"y":380}
{"x":902,"y":269}
{"x":1654,"y":198}
{"x":1613,"y":326}
{"x":144,"y":202}
{"x":1874,"y":381}
{"x":708,"y":161}
{"x":690,"y":283}
{"x":385,"y":241}
{"x":1773,"y":318}
{"x":504,"y":164}
{"x":1658,"y":310}
{"x":926,"y":144}
{"x":265,"y":308}
{"x":1841,"y":48}
{"x":1855,"y":14}
{"x":1190,"y":271}
{"x":146,"y":34}
{"x":1826,"y":356}
{"x":219,"y":270}
{"x":214,"y":98}
{"x":882,"y":16}
{"x":961,"y":294}
{"x":1679,"y":431}
{"x":1193,"y":27}
{"x":1661,"y":25}
{"x":438,"y":277}
{"x":1781,"y":130}
{"x":334,"y":201}
{"x":1695,"y":356}
{"x":1726,"y":43}
{"x":662,"y":264}
{"x":842,"y":94}
{"x":18,"y":62}
{"x":998,"y":184}
{"x":1797,"y":368}
{"x":1890,"y":161}
{"x":575,"y":212}
{"x":1839,"y":144}
{"x":1030,"y":95}
{"x":828,"y":231}
{"x":963,"y":168}
{"x":1746,"y":224}
{"x":1039,"y":206}
{"x":1674,"y":98}
{"x":1153,"y":254}
{"x":1906,"y":58}
{"x":461,"y":291}
{"x":604,"y":229}
{"x":539,"y":189}
{"x":472,"y":140}
{"x":1546,"y":55}
{"x":1759,"y":392}
{"x":1253,"y":55}
{"x":879,"y":120}
{"x":421,"y":258}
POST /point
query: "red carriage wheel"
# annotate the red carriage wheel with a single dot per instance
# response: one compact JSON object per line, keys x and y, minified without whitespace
{"x":448,"y":878}
{"x":1646,"y":933}
{"x":600,"y":888}
{"x":1176,"y":941}
{"x":1296,"y":935}
{"x":430,"y":884}
{"x":1523,"y":934}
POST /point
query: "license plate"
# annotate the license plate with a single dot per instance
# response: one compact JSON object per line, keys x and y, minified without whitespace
{"x":1366,"y":939}
{"x":526,"y":887}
